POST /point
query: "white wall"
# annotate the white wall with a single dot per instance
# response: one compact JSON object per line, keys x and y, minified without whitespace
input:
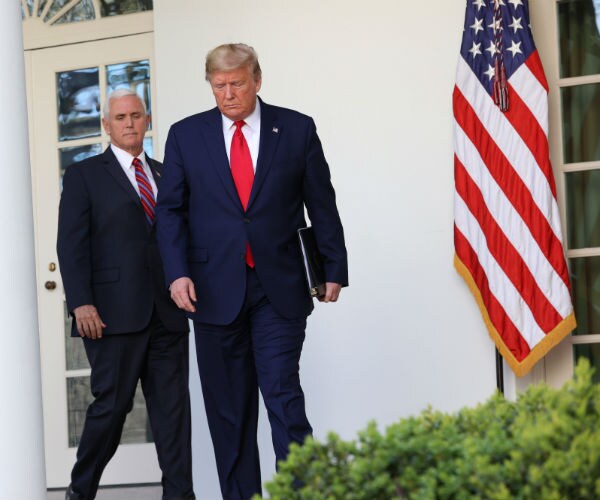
{"x":377,"y":77}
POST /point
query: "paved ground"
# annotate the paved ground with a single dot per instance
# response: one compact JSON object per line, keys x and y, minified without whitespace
{"x":128,"y":493}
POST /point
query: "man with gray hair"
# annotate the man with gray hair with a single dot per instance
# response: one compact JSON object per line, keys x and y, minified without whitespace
{"x":236,"y":182}
{"x":114,"y":286}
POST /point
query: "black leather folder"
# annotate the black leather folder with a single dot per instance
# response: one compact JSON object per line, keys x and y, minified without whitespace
{"x":313,"y":262}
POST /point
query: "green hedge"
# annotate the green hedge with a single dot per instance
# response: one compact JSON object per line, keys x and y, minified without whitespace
{"x":545,"y":446}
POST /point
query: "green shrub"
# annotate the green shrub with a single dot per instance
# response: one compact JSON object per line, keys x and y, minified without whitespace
{"x":546,"y":445}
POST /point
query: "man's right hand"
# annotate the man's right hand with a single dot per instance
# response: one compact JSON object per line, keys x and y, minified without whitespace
{"x":183,"y":294}
{"x":89,"y":323}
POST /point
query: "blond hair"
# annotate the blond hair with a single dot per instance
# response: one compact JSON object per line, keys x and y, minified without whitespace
{"x":231,"y":56}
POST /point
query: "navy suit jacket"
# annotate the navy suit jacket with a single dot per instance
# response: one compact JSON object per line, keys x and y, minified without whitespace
{"x":202,"y":228}
{"x":107,"y":250}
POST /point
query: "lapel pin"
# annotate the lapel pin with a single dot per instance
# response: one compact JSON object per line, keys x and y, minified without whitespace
{"x":275,"y":130}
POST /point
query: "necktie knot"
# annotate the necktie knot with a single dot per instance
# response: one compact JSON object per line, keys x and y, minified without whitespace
{"x":137,"y":164}
{"x":145,"y":188}
{"x":239,"y":124}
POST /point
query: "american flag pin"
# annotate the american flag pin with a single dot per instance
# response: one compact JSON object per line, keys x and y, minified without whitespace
{"x":275,"y":130}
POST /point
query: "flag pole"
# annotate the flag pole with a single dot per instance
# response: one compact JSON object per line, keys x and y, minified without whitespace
{"x":499,"y":372}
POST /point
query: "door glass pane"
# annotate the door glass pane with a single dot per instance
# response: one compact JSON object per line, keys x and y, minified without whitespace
{"x":148,"y":148}
{"x":117,"y":7}
{"x":592,"y":353}
{"x":585,"y":279}
{"x":583,"y":209}
{"x":581,"y":122}
{"x":72,"y":155}
{"x":75,"y":356}
{"x":133,"y":76}
{"x":79,"y":396}
{"x":82,"y":11}
{"x":78,"y":103}
{"x":78,"y":399}
{"x":579,"y":40}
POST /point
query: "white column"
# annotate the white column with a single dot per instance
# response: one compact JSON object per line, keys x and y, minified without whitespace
{"x":22,"y":472}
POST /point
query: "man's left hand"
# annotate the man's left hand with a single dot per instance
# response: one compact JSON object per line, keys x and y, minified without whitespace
{"x":332,"y":292}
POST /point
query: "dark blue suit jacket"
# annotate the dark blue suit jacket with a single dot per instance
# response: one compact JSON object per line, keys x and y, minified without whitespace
{"x":107,"y":251}
{"x":202,"y":228}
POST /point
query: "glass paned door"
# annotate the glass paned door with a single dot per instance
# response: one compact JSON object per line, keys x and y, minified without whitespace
{"x":67,"y":89}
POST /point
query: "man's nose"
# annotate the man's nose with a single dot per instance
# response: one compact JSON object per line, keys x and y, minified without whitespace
{"x":228,"y":92}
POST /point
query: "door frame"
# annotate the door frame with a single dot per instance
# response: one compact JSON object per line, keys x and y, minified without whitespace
{"x":132,"y":463}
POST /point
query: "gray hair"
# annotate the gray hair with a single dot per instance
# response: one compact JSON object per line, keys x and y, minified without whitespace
{"x":116,"y":94}
{"x":232,"y":56}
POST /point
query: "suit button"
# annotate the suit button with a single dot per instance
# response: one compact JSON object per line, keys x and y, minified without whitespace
{"x":247,"y":221}
{"x":243,"y":256}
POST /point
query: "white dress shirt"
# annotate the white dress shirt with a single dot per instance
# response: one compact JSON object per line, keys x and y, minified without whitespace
{"x":251,"y":131}
{"x":125,"y":160}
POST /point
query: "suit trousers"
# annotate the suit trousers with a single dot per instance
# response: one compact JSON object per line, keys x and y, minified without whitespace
{"x":259,"y":349}
{"x":159,"y":358}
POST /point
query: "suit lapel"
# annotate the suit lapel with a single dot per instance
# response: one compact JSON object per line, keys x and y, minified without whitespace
{"x":215,"y":144}
{"x":114,"y":168}
{"x":270,"y":130}
{"x":156,"y":169}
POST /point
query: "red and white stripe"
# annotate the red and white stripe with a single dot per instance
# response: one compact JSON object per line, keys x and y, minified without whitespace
{"x":508,"y":239}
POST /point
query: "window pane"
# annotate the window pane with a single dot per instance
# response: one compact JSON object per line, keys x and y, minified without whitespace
{"x":78,"y":103}
{"x":583,"y":209}
{"x":591,"y":352}
{"x":29,"y":8}
{"x":117,"y":7}
{"x":81,"y":11}
{"x":148,"y":147}
{"x":133,"y":76}
{"x":75,"y":356}
{"x":78,"y":399}
{"x":42,"y":4}
{"x":579,"y":40}
{"x":72,"y":155}
{"x":79,"y":396}
{"x":585,"y":279}
{"x":581,"y":122}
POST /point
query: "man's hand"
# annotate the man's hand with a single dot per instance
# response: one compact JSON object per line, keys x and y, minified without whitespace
{"x":88,"y":321}
{"x":183,"y":294}
{"x":332,"y":292}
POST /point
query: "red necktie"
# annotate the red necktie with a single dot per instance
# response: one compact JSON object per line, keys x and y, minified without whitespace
{"x":146,"y":193}
{"x":242,"y":172}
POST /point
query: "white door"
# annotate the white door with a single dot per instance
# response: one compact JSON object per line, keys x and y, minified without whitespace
{"x":66,"y":90}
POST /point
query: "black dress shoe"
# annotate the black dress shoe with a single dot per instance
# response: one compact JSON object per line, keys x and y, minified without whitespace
{"x":71,"y":495}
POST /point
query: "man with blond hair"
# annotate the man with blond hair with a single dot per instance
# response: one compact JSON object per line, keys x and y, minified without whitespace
{"x":236,"y":182}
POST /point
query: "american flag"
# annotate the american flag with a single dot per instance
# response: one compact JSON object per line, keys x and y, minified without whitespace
{"x":507,"y":233}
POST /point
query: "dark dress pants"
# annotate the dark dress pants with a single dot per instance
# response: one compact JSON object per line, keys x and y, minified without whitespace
{"x":159,"y":358}
{"x":260,"y":349}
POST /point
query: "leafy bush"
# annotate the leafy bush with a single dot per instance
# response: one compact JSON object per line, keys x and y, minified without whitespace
{"x":546,"y":445}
